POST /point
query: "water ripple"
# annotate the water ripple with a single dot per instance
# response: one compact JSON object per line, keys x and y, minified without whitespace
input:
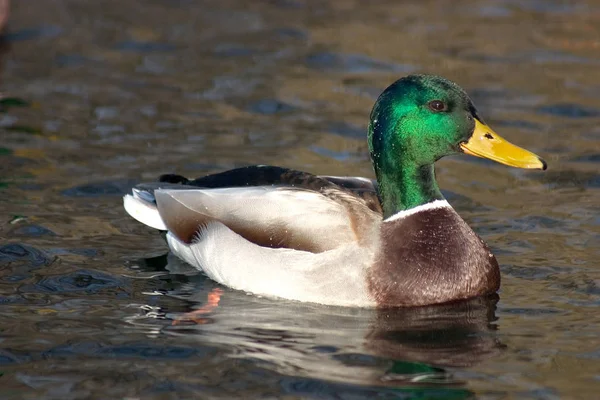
{"x":79,"y":281}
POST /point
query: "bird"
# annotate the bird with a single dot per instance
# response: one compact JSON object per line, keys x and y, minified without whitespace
{"x":342,"y":240}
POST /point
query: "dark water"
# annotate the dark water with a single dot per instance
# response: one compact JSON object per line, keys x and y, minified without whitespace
{"x":101,"y":94}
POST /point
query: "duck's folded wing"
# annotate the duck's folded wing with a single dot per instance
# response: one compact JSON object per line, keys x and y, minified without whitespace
{"x":269,"y":216}
{"x":266,"y":175}
{"x":352,"y":182}
{"x":364,"y":188}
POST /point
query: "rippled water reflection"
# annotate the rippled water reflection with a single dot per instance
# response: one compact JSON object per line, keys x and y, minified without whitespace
{"x":100,"y":95}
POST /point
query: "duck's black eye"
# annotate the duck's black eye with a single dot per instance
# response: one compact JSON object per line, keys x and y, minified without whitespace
{"x":437,"y":106}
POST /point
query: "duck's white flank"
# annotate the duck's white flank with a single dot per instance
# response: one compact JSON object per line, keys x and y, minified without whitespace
{"x":226,"y":257}
{"x":425,"y":207}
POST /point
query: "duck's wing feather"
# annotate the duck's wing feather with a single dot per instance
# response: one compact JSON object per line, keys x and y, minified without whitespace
{"x":254,"y":175}
{"x":278,"y":217}
{"x":364,"y":188}
{"x":265,"y":175}
{"x":352,"y":182}
{"x":270,"y":206}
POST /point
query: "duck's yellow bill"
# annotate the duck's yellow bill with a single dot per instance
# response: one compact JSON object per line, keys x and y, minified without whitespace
{"x":486,"y":143}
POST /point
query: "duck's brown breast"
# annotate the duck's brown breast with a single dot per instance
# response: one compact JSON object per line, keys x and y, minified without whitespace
{"x":431,"y":257}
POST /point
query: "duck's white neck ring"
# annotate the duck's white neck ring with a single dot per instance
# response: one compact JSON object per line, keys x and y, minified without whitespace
{"x":424,"y":207}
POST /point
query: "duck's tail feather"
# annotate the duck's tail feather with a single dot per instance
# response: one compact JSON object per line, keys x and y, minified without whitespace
{"x":141,"y":206}
{"x":141,"y":203}
{"x":173,"y":178}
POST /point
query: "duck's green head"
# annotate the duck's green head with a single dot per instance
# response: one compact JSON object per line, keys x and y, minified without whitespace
{"x":418,"y":120}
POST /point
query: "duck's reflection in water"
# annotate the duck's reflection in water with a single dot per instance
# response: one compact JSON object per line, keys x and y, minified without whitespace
{"x":390,"y":349}
{"x":457,"y":334}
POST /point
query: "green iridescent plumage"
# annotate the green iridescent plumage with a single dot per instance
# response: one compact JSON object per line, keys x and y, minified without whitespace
{"x":406,"y":137}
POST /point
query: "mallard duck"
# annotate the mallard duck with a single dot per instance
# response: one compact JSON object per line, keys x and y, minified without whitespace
{"x":344,"y":241}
